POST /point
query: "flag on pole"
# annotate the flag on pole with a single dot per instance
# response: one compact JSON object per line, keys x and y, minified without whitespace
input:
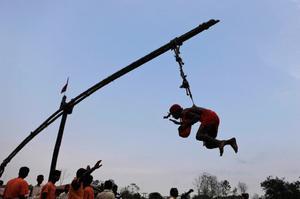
{"x":64,"y":89}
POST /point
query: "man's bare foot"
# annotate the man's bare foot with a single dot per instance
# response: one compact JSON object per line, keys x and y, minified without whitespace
{"x":221,"y":147}
{"x":234,"y":145}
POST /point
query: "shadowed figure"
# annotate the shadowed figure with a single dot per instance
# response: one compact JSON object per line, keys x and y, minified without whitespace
{"x":173,"y":193}
{"x":88,"y":191}
{"x":49,"y":190}
{"x":107,"y":193}
{"x":35,"y":191}
{"x":17,"y":187}
{"x":208,"y":129}
{"x":64,"y":194}
{"x":77,"y":188}
{"x":186,"y":195}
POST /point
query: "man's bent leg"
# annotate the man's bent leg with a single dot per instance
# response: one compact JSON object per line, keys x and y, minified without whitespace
{"x":210,"y":142}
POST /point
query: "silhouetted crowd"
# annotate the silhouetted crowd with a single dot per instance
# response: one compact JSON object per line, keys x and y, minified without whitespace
{"x":80,"y":187}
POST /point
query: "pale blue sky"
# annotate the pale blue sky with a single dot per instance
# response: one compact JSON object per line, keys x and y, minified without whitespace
{"x":246,"y":68}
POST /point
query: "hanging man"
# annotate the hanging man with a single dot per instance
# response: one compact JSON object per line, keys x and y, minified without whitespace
{"x":208,"y":129}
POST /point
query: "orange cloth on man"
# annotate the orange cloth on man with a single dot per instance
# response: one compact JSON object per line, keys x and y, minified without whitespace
{"x":88,"y":193}
{"x":50,"y":189}
{"x":15,"y":188}
{"x":209,"y":117}
{"x":76,"y":194}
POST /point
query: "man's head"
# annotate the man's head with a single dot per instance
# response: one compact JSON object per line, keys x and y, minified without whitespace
{"x":55,"y":176}
{"x":115,"y":189}
{"x":80,"y":172}
{"x":245,"y":195}
{"x":174,"y":192}
{"x":40,"y":179}
{"x":66,"y":188}
{"x":108,"y":184}
{"x":23,"y":172}
{"x":87,"y":180}
{"x":176,"y":110}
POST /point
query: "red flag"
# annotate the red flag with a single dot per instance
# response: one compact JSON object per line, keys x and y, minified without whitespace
{"x":64,"y":89}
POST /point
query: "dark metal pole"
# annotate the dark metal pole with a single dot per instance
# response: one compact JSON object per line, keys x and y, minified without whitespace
{"x":67,"y":109}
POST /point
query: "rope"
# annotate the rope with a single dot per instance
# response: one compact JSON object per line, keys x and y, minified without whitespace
{"x":185,"y":84}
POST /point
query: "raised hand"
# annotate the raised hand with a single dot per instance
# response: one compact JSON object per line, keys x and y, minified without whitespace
{"x":98,"y":165}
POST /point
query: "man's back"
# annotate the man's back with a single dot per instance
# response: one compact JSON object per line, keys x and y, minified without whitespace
{"x":16,"y":188}
{"x":36,"y":191}
{"x":106,"y":194}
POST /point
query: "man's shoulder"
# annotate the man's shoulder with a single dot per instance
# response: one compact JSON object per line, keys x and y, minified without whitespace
{"x":12,"y":180}
{"x":17,"y":181}
{"x":49,"y":184}
{"x":37,"y":186}
{"x":89,"y":188}
{"x":191,"y":111}
{"x":63,"y":194}
{"x":106,"y":193}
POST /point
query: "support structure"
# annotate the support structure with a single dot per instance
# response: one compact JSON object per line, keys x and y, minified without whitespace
{"x":67,"y":107}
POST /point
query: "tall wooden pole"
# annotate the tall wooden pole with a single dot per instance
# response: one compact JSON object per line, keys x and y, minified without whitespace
{"x":67,"y":109}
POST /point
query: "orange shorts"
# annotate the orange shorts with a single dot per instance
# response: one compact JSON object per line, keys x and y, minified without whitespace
{"x":209,"y":117}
